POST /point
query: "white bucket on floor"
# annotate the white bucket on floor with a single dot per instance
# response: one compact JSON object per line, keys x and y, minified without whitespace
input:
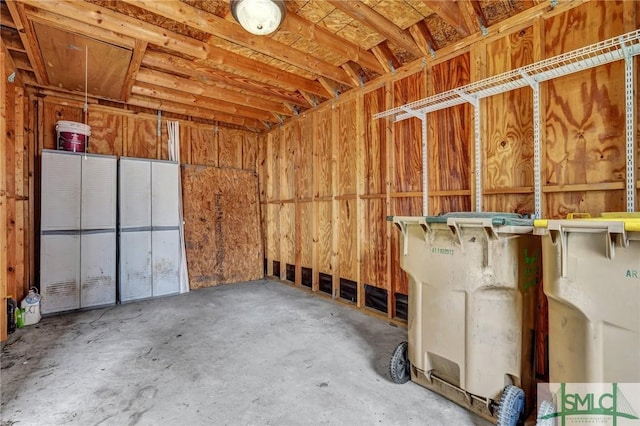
{"x":31,"y":307}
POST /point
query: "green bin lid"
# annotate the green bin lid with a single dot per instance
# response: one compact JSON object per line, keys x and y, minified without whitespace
{"x":497,"y":218}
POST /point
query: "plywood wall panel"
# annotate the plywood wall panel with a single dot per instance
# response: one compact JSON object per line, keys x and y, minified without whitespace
{"x":273,"y":166}
{"x":249,"y":151}
{"x":510,"y":203}
{"x":507,"y":126}
{"x":230,"y":149}
{"x":324,"y":155}
{"x":375,"y":143}
{"x":304,"y":161}
{"x":407,"y":163}
{"x":347,"y":240}
{"x":273,"y":231}
{"x":304,"y":233}
{"x":204,"y":146}
{"x":347,"y":146}
{"x":401,"y":207}
{"x":262,"y":166}
{"x":222,"y":234}
{"x":449,"y":134}
{"x":593,"y":202}
{"x":107,"y":135}
{"x":288,"y":233}
{"x":325,"y":233}
{"x":374,"y":243}
{"x":290,"y":141}
{"x":585,"y":113}
{"x":142,"y":137}
{"x":54,"y":112}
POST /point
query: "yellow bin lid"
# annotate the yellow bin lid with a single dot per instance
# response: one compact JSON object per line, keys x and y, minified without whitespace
{"x":631,"y":220}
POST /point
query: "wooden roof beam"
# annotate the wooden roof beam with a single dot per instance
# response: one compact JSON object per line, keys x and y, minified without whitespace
{"x":423,"y":38}
{"x":82,"y":28}
{"x":5,"y":16}
{"x":377,"y":22}
{"x":196,"y":87}
{"x":354,"y":73}
{"x":473,"y":15}
{"x":134,"y":66}
{"x":29,"y":40}
{"x":102,"y":17}
{"x":212,"y":24}
{"x":328,"y":40}
{"x":260,"y":71}
{"x":179,"y":65}
{"x":168,"y":106}
{"x":451,"y":13}
{"x":9,"y":64}
{"x":189,"y":99}
{"x":386,"y":57}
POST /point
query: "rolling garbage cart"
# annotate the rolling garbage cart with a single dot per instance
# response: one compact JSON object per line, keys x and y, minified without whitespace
{"x":472,"y":287}
{"x":591,"y":275}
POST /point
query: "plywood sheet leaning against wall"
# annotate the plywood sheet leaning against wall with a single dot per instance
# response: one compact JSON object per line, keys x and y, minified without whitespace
{"x":585,"y":118}
{"x":222,"y":225}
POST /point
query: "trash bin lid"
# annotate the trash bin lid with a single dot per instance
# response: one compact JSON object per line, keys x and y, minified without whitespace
{"x":631,"y":221}
{"x":497,"y":218}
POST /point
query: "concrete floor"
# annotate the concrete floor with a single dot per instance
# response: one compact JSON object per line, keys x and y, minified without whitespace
{"x":253,"y":353}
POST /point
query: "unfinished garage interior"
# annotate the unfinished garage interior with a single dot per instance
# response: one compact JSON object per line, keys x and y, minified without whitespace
{"x":216,"y":244}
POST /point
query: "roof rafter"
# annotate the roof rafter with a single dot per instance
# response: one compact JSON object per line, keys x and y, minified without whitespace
{"x":196,"y":87}
{"x":212,"y":24}
{"x":183,"y":66}
{"x":29,"y":40}
{"x":452,"y":14}
{"x":377,"y":22}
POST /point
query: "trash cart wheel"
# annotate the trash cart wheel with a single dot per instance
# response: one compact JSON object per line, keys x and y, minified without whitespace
{"x":511,"y":406}
{"x":546,"y":408}
{"x":399,"y":367}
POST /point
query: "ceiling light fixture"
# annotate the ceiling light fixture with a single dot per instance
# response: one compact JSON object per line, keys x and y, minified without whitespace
{"x":259,"y":17}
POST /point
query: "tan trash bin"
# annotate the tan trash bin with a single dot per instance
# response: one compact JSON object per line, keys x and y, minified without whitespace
{"x":592,"y":281}
{"x":472,"y":287}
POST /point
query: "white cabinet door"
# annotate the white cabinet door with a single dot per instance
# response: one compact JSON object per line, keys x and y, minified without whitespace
{"x":166,"y":262}
{"x":59,"y":272}
{"x":164,"y":190}
{"x":135,"y":193}
{"x":135,"y":265}
{"x":98,"y":268}
{"x":60,"y":189}
{"x":99,"y":192}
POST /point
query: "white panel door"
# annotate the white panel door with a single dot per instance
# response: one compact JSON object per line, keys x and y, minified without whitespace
{"x":166,"y":262}
{"x":135,"y":193}
{"x":60,"y":191}
{"x":59,"y":272}
{"x":98,"y":269}
{"x":164,"y":194}
{"x":135,"y":265}
{"x":99,"y":183}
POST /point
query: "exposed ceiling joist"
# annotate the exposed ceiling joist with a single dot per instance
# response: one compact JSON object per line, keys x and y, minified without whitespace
{"x":273,"y":75}
{"x":178,"y":83}
{"x":325,"y":38}
{"x":423,"y":38}
{"x":386,"y":57}
{"x":102,"y":17}
{"x":179,"y":65}
{"x":452,"y":14}
{"x":212,"y":24}
{"x":130,"y":78}
{"x":82,"y":28}
{"x":162,"y":105}
{"x":145,"y":89}
{"x":377,"y":22}
{"x":29,"y":40}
